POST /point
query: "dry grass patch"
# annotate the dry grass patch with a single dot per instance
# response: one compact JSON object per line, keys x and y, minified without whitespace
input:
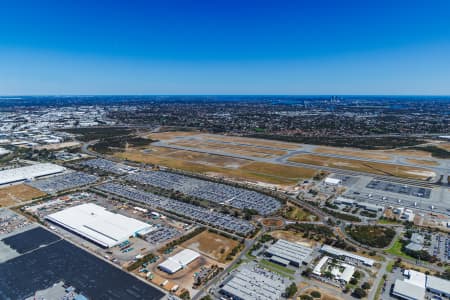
{"x":292,"y":237}
{"x":361,"y":153}
{"x":212,"y":245}
{"x":290,"y":172}
{"x":364,"y":166}
{"x":413,"y":153}
{"x":422,"y":162}
{"x":171,"y":134}
{"x":229,"y":148}
{"x":17,"y":194}
{"x":254,"y":141}
{"x":218,"y":165}
{"x":205,"y":158}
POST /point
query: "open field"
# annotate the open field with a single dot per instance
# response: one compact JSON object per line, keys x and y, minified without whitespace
{"x":16,"y":194}
{"x":324,"y":295}
{"x":59,"y":146}
{"x":363,"y":166}
{"x":205,"y":158}
{"x":422,"y":162}
{"x":445,"y":146}
{"x":218,"y":165}
{"x":230,"y":148}
{"x":279,"y":171}
{"x":296,"y":213}
{"x":171,"y":134}
{"x":292,"y":236}
{"x":212,"y":245}
{"x":272,"y":222}
{"x":413,"y":153}
{"x":356,"y":153}
{"x":253,"y":141}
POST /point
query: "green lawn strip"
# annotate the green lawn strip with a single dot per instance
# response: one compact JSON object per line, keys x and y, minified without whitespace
{"x":283,"y":271}
{"x":396,"y":250}
{"x":379,"y":289}
{"x":390,"y":266}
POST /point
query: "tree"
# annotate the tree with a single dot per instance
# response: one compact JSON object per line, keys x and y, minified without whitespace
{"x":359,"y":293}
{"x":365,"y":285}
{"x":307,"y":272}
{"x":291,"y":290}
{"x":315,"y":294}
{"x":353,"y":281}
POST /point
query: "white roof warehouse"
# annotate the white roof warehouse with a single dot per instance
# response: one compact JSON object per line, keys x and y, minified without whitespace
{"x":178,"y":261}
{"x":29,"y":172}
{"x":293,"y":253}
{"x":97,"y":224}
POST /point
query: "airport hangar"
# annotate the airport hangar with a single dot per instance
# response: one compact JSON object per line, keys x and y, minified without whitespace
{"x":29,"y":172}
{"x":98,"y":225}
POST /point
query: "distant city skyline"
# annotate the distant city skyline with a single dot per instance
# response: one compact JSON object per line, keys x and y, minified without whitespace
{"x":225,"y":48}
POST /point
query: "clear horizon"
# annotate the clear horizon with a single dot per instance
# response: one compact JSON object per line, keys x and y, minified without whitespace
{"x":225,"y":48}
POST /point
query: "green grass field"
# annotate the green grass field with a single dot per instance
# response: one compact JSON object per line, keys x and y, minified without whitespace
{"x":396,"y":250}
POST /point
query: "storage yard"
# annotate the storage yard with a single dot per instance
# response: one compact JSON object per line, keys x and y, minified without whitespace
{"x":199,"y":214}
{"x":63,"y":182}
{"x":207,"y":190}
{"x":108,"y":166}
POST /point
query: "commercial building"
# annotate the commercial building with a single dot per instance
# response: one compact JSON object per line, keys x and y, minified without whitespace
{"x":343,"y":200}
{"x":29,"y":172}
{"x":347,"y":255}
{"x":179,"y":261}
{"x":284,"y":253}
{"x":407,"y":290}
{"x":341,"y":272}
{"x":255,"y":283}
{"x":415,"y":285}
{"x":98,"y":225}
{"x":332,"y":181}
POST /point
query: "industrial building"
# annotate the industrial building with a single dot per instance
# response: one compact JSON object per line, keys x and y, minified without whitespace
{"x":288,"y":253}
{"x":255,"y":283}
{"x":416,"y":284}
{"x":332,"y":181}
{"x":179,"y":261}
{"x":347,"y":255}
{"x":29,"y":172}
{"x":98,"y":225}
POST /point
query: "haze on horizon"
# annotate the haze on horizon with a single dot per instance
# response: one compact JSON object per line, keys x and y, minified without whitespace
{"x":225,"y":47}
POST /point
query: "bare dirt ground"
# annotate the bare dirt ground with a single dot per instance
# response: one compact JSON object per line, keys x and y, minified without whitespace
{"x":212,"y":245}
{"x":293,"y":237}
{"x":16,"y":194}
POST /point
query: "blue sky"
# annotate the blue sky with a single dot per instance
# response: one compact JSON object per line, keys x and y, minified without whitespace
{"x":225,"y":47}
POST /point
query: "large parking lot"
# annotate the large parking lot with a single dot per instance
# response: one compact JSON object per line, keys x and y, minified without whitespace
{"x":440,"y":246}
{"x":108,"y":166}
{"x":197,"y":213}
{"x":63,"y":182}
{"x":400,"y":188}
{"x":210,"y":191}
